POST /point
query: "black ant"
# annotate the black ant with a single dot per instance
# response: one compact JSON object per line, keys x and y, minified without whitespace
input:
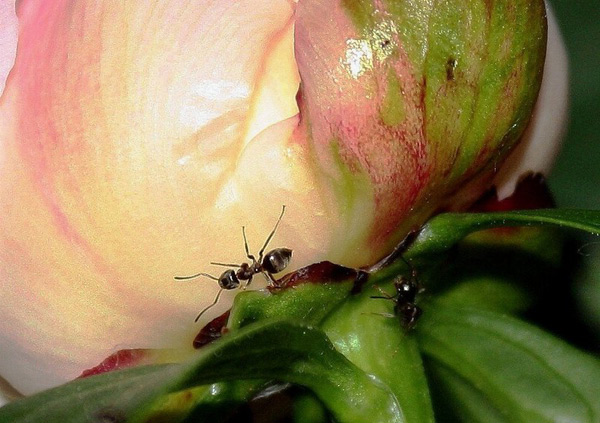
{"x":268,"y":264}
{"x":405,"y":308}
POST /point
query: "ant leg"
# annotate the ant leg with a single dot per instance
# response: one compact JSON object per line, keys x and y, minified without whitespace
{"x":182,"y":278}
{"x":262,"y":250}
{"x":243,"y":287}
{"x":250,"y":256}
{"x":388,"y":315}
{"x":225,"y":264}
{"x":210,"y":306}
{"x":384,"y":294}
{"x":270,"y":278}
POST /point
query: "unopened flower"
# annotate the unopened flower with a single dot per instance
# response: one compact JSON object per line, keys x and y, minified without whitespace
{"x":137,"y":138}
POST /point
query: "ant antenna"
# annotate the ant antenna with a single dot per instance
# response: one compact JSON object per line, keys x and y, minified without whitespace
{"x":406,"y":262}
{"x":210,"y":306}
{"x":413,"y":271}
{"x":262,"y":250}
{"x":250,"y":256}
{"x":383,"y":295}
{"x":182,"y":278}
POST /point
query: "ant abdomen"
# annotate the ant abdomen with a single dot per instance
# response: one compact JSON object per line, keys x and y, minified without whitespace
{"x":276,"y":260}
{"x":408,"y":313}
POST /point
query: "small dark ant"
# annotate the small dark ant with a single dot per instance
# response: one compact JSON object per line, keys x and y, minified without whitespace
{"x":451,"y":65}
{"x":268,"y":264}
{"x":405,"y":308}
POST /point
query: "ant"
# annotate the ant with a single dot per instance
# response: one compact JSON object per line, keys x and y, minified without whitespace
{"x":268,"y":264}
{"x":407,"y":289}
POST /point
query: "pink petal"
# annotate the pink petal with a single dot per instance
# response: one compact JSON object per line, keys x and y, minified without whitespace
{"x":343,"y":90}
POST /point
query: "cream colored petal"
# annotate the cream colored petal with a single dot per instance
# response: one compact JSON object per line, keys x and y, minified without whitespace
{"x":119,"y":129}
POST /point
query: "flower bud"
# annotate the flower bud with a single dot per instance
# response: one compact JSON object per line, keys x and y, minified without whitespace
{"x":137,"y":139}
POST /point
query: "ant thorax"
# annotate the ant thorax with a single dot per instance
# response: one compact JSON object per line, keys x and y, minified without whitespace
{"x":246,"y":271}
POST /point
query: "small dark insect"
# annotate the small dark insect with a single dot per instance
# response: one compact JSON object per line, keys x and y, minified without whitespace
{"x":384,"y":43}
{"x":267,"y":264}
{"x":405,"y":307}
{"x":450,"y":68}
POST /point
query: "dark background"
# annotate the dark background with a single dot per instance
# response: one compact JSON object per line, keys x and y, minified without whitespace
{"x":575,"y":180}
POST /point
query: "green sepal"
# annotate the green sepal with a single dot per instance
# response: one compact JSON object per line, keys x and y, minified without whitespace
{"x":490,"y":367}
{"x":277,"y":350}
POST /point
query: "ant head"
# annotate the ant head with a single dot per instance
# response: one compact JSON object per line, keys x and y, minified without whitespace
{"x":276,"y":260}
{"x":402,"y":283}
{"x":229,"y":280}
{"x":406,"y":289}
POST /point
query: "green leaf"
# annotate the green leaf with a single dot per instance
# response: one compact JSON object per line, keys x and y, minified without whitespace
{"x":305,"y":356}
{"x":308,"y":302}
{"x":492,"y":368}
{"x":362,"y":329}
{"x":273,"y":350}
{"x":107,"y":397}
{"x":445,"y":230}
{"x":308,"y":410}
{"x":376,"y":344}
{"x":486,"y":293}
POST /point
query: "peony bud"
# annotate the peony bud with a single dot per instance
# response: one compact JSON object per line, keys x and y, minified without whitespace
{"x":137,"y":139}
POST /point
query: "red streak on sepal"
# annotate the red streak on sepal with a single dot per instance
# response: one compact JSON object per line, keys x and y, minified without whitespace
{"x":122,"y":359}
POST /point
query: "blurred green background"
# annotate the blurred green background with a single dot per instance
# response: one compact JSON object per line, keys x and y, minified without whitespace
{"x":575,"y":181}
{"x":576,"y":178}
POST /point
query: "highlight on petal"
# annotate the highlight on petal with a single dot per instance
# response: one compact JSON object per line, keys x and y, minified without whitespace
{"x":8,"y":39}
